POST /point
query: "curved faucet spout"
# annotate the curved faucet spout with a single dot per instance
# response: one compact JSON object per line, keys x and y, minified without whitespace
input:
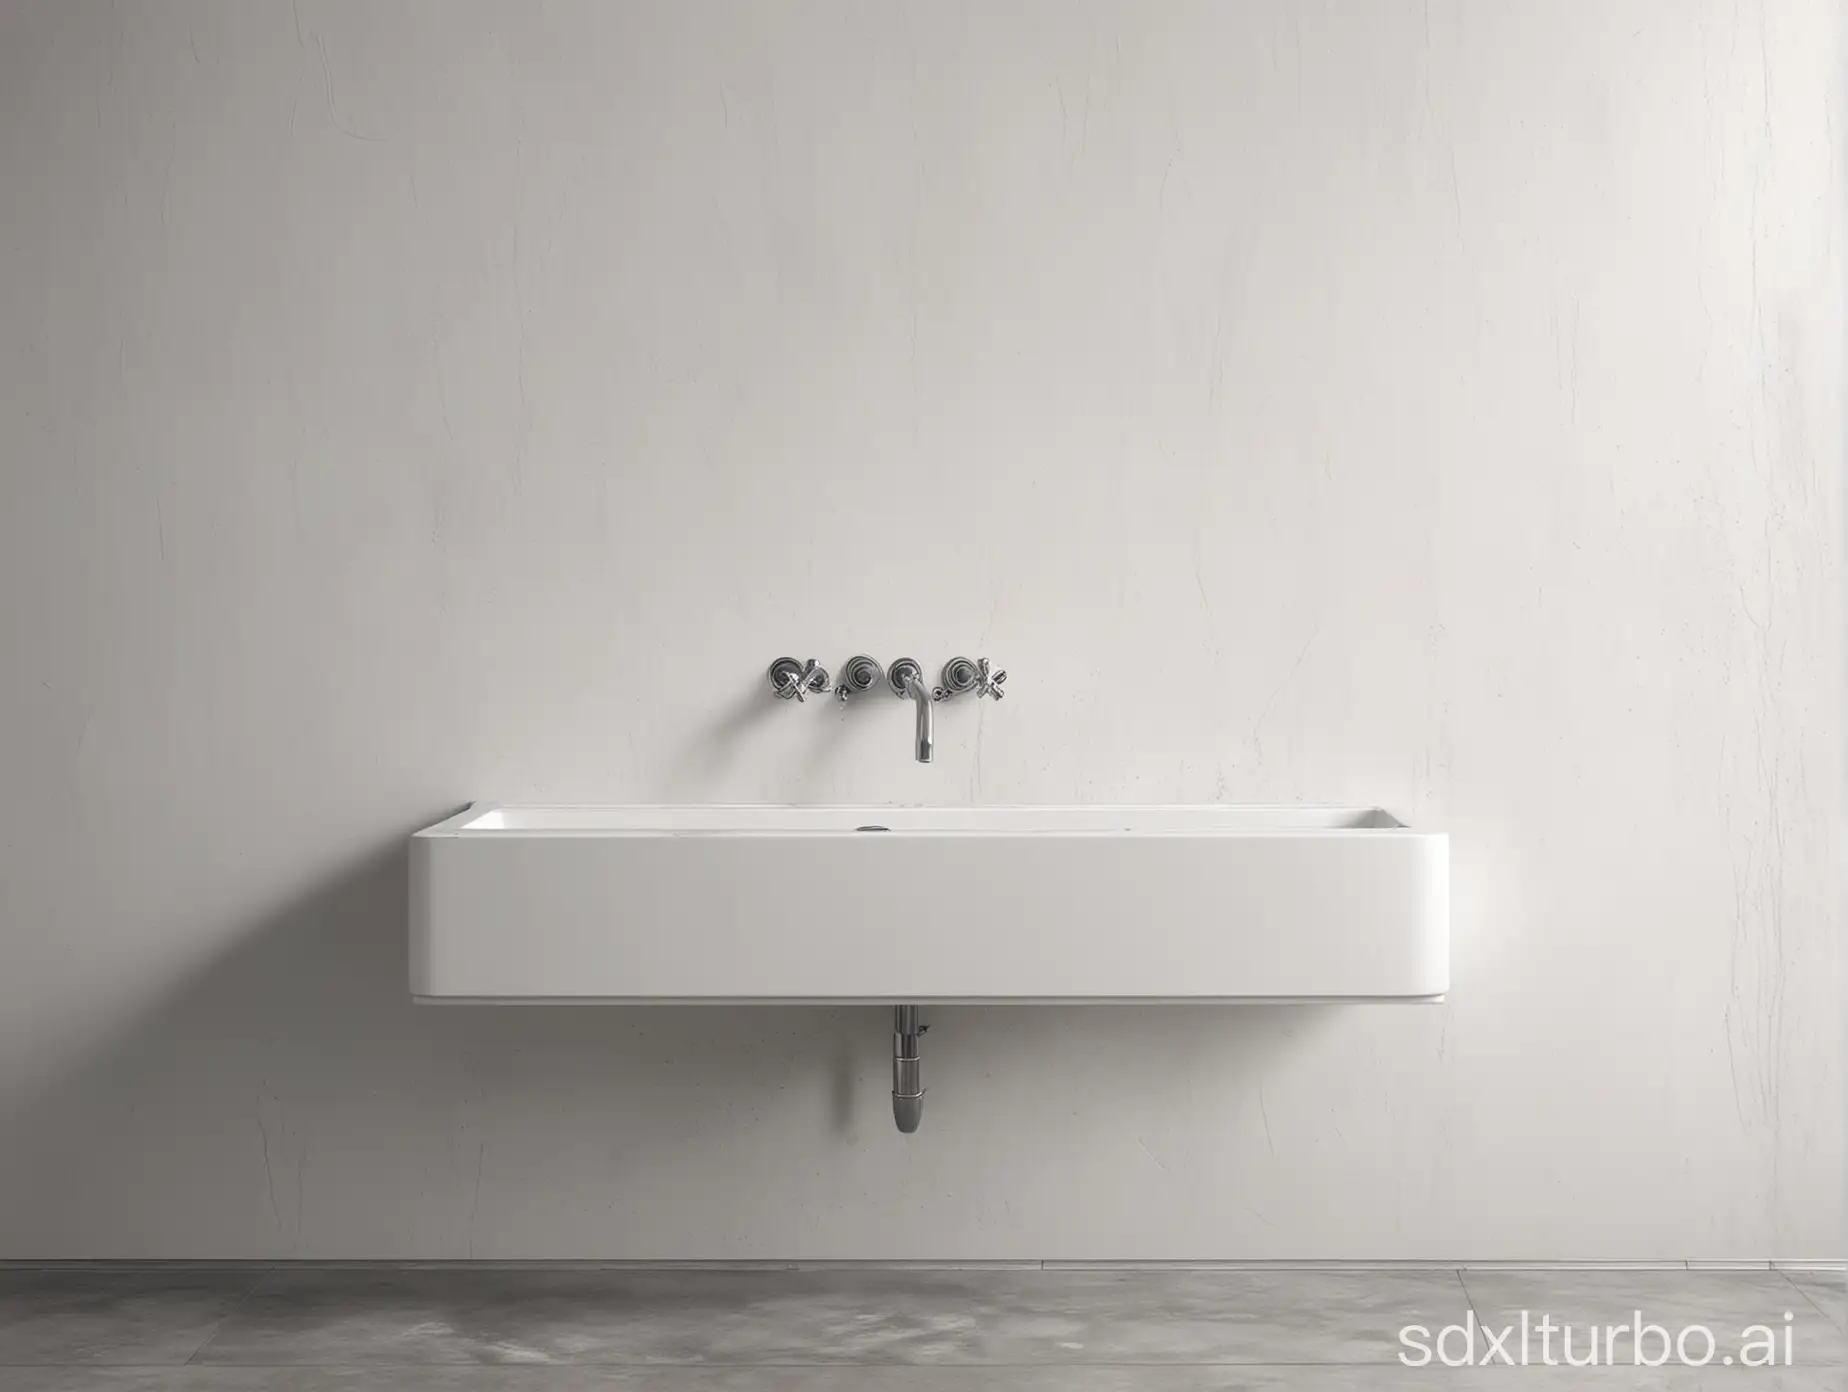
{"x":906,"y":678}
{"x":920,"y":696}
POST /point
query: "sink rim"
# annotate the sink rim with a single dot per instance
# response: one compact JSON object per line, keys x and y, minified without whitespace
{"x":888,"y":821}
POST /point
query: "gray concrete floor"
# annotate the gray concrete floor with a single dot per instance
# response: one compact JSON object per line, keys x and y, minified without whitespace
{"x":1017,"y":1329}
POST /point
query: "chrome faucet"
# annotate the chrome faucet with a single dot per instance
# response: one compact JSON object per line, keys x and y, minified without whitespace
{"x":794,"y":680}
{"x":860,"y":674}
{"x":907,"y":679}
{"x":960,"y":674}
{"x":801,"y":680}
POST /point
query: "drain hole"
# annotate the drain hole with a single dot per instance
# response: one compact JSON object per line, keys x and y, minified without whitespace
{"x":872,"y":828}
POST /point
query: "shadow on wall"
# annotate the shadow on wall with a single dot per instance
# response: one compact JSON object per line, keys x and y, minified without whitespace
{"x":290,"y":1100}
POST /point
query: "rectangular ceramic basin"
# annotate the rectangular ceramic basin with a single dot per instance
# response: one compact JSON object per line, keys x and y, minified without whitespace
{"x":891,"y":905}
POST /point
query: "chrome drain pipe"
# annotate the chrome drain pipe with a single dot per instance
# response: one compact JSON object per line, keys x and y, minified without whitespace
{"x":907,"y":1080}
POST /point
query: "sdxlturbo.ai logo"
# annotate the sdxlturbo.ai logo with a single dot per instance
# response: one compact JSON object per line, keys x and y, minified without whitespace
{"x":1551,"y":1344}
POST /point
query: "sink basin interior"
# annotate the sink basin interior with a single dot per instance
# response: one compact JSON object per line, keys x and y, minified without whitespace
{"x":984,"y":821}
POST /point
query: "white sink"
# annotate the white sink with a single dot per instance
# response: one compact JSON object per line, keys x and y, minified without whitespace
{"x":888,"y":905}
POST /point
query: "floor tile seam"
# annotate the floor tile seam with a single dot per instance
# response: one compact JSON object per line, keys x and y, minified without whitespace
{"x":236,"y":1305}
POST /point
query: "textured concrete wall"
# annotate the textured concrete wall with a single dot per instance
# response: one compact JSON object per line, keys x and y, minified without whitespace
{"x":1430,"y":405}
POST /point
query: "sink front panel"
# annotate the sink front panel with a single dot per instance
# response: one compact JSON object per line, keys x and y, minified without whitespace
{"x":1008,"y":904}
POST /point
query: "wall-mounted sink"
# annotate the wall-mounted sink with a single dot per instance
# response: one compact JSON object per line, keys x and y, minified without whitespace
{"x":889,"y":905}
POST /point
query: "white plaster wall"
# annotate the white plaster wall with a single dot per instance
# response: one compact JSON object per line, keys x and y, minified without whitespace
{"x":1432,"y":406}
